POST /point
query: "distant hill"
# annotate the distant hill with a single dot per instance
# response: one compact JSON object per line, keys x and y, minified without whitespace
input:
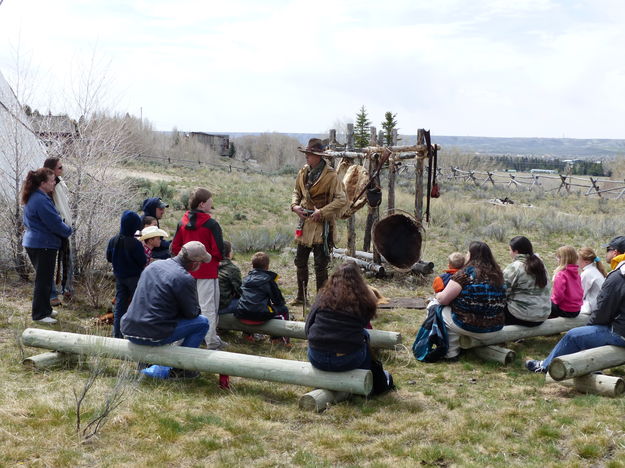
{"x":552,"y":147}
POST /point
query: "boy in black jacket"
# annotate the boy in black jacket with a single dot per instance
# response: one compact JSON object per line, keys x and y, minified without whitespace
{"x":261,"y":298}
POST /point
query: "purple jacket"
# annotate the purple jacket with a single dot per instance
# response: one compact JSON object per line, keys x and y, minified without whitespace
{"x":567,"y":292}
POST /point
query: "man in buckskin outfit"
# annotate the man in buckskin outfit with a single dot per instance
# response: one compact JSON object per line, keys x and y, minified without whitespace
{"x":318,"y":198}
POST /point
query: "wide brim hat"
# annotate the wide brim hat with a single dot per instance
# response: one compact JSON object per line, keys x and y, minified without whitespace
{"x":315,"y":146}
{"x":152,"y":231}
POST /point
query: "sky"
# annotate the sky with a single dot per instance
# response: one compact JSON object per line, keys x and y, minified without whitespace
{"x":498,"y":68}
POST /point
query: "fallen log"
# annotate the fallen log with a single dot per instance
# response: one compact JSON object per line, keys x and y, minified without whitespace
{"x":516,"y":332}
{"x":356,"y":381}
{"x":495,"y":353}
{"x":319,"y":400}
{"x":586,"y":361}
{"x":292,"y":329}
{"x":595,"y":384}
{"x":48,"y":360}
{"x":421,"y":267}
{"x":368,"y":266}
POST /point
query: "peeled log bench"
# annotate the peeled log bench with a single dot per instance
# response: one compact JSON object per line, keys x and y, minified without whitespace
{"x":356,"y":381}
{"x":586,"y":361}
{"x":318,"y":400}
{"x":595,"y":384}
{"x":495,"y":353}
{"x":517,"y":332}
{"x":275,"y":327}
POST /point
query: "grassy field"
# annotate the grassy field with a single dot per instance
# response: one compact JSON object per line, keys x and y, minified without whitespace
{"x":468,"y":413}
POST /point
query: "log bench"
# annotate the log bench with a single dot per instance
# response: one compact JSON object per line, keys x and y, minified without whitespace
{"x":292,"y":329}
{"x":357,"y":381}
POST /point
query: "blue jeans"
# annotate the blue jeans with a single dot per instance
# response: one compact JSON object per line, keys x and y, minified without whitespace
{"x":580,"y":338}
{"x":230,"y":308}
{"x":191,"y":331}
{"x":124,"y":290}
{"x":329,"y":361}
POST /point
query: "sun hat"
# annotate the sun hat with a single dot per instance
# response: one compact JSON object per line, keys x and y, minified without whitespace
{"x":152,"y":231}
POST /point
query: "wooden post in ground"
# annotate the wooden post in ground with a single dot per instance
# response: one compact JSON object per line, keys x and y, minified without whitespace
{"x":351,"y":222}
{"x":392,"y":174}
{"x":595,"y":384}
{"x":319,"y":400}
{"x":586,"y":361}
{"x":218,"y":362}
{"x":418,"y":198}
{"x":372,"y":213}
{"x":495,"y":353}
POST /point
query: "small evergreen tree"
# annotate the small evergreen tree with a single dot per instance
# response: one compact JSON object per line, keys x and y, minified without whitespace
{"x":388,"y":125}
{"x":361,"y":129}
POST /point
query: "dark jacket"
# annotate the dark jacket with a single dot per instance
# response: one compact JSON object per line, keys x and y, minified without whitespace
{"x":149,"y":209}
{"x":124,"y":251}
{"x":229,"y":282}
{"x":610,"y":308}
{"x":329,"y":330}
{"x":259,"y":292}
{"x":44,"y":227}
{"x":166,"y":293}
{"x":199,"y":226}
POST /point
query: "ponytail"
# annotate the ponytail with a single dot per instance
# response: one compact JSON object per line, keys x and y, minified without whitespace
{"x":534,"y":266}
{"x":33,"y":181}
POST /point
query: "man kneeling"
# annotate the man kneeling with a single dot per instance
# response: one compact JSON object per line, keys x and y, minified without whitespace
{"x":165,"y":306}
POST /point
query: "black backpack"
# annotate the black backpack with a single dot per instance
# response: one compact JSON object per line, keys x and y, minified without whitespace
{"x":431,"y":343}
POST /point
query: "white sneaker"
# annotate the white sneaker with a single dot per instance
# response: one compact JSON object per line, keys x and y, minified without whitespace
{"x":54,"y":313}
{"x":48,"y":320}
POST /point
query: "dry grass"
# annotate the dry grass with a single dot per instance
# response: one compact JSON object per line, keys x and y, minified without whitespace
{"x":469,"y":413}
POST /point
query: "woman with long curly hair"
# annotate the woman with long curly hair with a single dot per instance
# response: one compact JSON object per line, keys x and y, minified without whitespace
{"x":477,"y":297}
{"x":335,"y":327}
{"x":44,"y":231}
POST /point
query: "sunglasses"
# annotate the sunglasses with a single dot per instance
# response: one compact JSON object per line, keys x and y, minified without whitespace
{"x":610,"y":249}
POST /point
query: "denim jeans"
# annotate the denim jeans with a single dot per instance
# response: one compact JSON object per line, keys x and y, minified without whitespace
{"x":230,"y":308}
{"x":124,"y":290}
{"x":190,"y":331}
{"x":329,"y":361}
{"x":580,"y":338}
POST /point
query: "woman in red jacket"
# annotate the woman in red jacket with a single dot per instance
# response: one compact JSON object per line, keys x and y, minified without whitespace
{"x":197,"y":224}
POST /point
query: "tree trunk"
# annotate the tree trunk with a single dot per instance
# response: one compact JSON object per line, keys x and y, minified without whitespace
{"x":219,"y":362}
{"x":320,"y":399}
{"x":586,"y":361}
{"x":495,"y":353}
{"x":595,"y":384}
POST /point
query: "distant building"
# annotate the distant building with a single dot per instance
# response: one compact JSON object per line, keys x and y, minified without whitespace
{"x":220,"y":144}
{"x":54,"y":130}
{"x":543,"y":171}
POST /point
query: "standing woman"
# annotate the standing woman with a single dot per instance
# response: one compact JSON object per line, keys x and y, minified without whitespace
{"x":593,"y":275}
{"x":44,"y":231}
{"x":477,"y":297}
{"x":527,"y":286}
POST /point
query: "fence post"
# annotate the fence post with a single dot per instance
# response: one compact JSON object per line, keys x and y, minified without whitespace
{"x":391,"y":176}
{"x":418,"y":200}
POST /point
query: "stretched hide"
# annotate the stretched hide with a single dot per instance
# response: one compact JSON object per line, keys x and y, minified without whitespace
{"x":398,"y":239}
{"x":355,"y":178}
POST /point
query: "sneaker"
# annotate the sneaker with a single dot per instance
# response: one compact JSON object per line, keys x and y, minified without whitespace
{"x":54,"y":313}
{"x":535,"y":366}
{"x":176,"y":373}
{"x":48,"y":320}
{"x":55,"y":302}
{"x":219,"y":345}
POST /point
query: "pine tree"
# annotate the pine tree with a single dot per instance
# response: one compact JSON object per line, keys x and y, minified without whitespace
{"x":388,"y":125}
{"x":361,"y":129}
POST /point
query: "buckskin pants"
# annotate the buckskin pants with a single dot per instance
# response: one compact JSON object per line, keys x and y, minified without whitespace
{"x":321,"y":261}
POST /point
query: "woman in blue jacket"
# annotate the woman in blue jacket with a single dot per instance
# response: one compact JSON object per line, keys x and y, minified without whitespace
{"x":42,"y":240}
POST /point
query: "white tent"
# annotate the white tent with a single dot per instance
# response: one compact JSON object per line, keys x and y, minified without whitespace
{"x":20,"y":149}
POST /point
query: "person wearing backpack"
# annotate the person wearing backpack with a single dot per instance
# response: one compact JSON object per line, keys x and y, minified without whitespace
{"x":335,"y":327}
{"x":197,"y":224}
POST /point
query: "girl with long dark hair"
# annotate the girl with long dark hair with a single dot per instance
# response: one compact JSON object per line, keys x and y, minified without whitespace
{"x":477,"y":298}
{"x":527,"y":286}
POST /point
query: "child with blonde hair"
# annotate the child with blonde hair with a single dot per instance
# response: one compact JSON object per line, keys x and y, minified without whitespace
{"x":567,"y":293}
{"x":593,"y":276}
{"x":455,"y":262}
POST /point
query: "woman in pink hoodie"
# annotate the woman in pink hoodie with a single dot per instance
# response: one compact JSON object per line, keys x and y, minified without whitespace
{"x":567,"y":294}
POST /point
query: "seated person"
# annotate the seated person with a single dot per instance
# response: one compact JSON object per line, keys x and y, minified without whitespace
{"x":567,"y":293}
{"x":229,"y":282}
{"x":477,"y":297}
{"x":335,"y":327}
{"x":261,"y":298}
{"x":455,"y":262}
{"x":151,"y":237}
{"x":527,"y":286}
{"x":165,"y":306}
{"x":593,"y":276}
{"x":606,"y":325}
